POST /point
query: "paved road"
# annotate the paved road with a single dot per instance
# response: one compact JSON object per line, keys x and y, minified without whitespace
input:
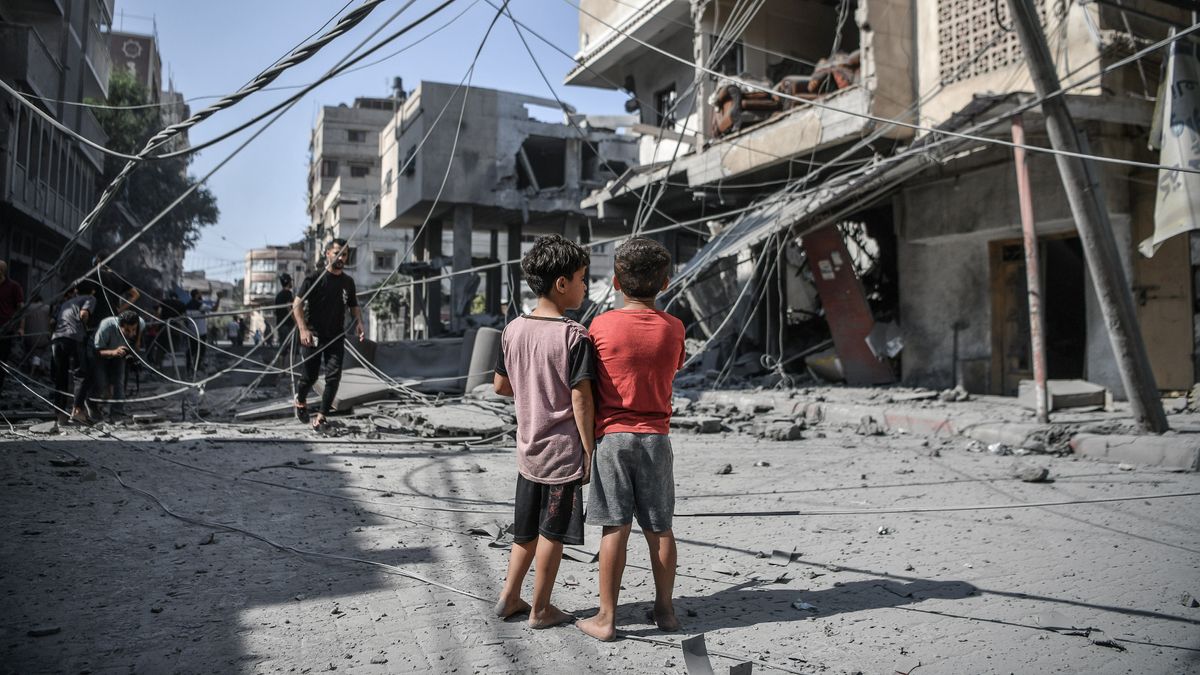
{"x":131,"y":589}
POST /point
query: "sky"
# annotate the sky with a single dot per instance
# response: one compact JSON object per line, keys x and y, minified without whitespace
{"x":216,"y":46}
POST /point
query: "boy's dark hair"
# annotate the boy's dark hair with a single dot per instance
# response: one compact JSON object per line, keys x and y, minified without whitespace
{"x":550,"y":258}
{"x":339,"y":242}
{"x":127,"y":318}
{"x":642,"y":266}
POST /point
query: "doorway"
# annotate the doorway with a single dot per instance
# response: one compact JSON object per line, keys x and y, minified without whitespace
{"x":1064,"y":312}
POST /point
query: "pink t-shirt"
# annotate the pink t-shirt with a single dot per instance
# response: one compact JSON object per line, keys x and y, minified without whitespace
{"x":544,"y":358}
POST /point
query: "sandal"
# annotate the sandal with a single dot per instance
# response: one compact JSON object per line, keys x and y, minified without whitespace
{"x":319,"y":423}
{"x":301,"y":412}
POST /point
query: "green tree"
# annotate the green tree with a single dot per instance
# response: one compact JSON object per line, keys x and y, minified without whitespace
{"x":153,"y":184}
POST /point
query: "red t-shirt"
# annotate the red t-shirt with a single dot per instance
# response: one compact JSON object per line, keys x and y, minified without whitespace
{"x":638,"y":352}
{"x":11,"y":298}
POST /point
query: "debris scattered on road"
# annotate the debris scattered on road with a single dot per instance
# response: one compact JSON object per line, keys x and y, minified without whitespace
{"x":762,"y":464}
{"x":804,"y":606}
{"x":1188,"y":601}
{"x":1030,"y":473}
{"x":1111,"y":644}
{"x":954,"y":395}
{"x":883,"y":531}
{"x":999,"y":449}
{"x":1125,"y":467}
{"x":210,"y":539}
{"x":781,"y":558}
{"x":867,"y":426}
{"x":725,"y":470}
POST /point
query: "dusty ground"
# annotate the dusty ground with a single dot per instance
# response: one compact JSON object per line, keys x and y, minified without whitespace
{"x":124,"y":587}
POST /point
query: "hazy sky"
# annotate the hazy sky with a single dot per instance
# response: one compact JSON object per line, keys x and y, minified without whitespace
{"x":215,"y":46}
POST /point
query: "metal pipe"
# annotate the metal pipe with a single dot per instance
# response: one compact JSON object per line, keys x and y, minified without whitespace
{"x":1033,"y":281}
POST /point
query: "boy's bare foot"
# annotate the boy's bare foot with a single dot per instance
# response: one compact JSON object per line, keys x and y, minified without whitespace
{"x":601,"y":630}
{"x":548,"y":618}
{"x":666,"y":620}
{"x":506,"y":608}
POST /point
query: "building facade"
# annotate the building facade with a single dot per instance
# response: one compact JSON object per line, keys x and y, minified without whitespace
{"x":51,"y":51}
{"x":515,"y":171}
{"x":772,"y":136}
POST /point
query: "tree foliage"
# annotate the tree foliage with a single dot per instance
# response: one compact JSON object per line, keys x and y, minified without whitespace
{"x":154,"y":184}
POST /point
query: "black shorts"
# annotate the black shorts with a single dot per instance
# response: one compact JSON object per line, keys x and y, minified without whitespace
{"x":553,"y":511}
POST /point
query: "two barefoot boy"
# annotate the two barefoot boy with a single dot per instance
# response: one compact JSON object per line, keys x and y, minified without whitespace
{"x":548,"y":365}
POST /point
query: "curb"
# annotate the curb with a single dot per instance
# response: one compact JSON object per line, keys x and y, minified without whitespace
{"x":1171,"y":450}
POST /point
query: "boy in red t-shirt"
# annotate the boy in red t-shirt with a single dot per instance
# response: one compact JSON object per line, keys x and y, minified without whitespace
{"x":638,"y":351}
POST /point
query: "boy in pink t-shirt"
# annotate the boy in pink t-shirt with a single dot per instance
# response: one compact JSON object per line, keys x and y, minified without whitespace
{"x":638,"y":351}
{"x":546,"y":365}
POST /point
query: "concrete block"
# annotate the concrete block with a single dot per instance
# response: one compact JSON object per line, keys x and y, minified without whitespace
{"x":1061,"y":394}
{"x":1181,"y":452}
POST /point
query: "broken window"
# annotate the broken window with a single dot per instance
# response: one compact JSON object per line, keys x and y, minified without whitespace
{"x":664,"y":106}
{"x":733,"y":62}
{"x":409,"y":166}
{"x":541,"y":163}
{"x":385,"y":261}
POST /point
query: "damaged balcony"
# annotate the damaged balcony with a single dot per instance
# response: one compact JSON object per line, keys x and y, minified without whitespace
{"x":797,"y":87}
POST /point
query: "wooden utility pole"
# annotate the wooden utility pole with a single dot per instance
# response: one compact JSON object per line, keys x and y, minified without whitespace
{"x":1033,"y":278}
{"x":1081,"y":181}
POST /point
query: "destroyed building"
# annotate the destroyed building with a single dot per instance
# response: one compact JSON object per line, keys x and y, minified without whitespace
{"x":48,"y":180}
{"x":512,"y":175}
{"x":343,"y":194}
{"x":901,"y":247}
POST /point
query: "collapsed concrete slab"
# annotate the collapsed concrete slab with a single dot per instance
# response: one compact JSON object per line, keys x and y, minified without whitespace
{"x":452,"y":421}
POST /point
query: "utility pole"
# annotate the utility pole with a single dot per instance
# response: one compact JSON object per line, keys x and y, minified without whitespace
{"x":1033,"y":278}
{"x":1082,"y":184}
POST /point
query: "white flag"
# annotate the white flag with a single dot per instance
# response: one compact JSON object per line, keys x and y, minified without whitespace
{"x":1177,"y":208}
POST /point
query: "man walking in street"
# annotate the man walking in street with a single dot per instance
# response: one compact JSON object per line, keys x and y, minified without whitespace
{"x":320,"y":315}
{"x":68,"y":346}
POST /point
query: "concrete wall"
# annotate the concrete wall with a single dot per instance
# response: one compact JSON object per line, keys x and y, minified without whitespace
{"x":483,"y":160}
{"x":1071,"y":41}
{"x":946,"y":225}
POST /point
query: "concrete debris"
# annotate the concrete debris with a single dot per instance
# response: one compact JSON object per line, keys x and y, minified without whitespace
{"x":762,"y":464}
{"x":782,"y":431}
{"x":725,"y":470}
{"x":44,"y":428}
{"x":954,"y":395}
{"x":975,"y":446}
{"x":1111,"y":644}
{"x":867,"y":426}
{"x":379,"y":660}
{"x":1188,"y":601}
{"x":883,"y":531}
{"x":804,"y":606}
{"x":210,"y":539}
{"x":700,"y":425}
{"x":452,"y":420}
{"x":781,"y":558}
{"x":1125,"y":467}
{"x":1031,"y":474}
{"x":999,"y":449}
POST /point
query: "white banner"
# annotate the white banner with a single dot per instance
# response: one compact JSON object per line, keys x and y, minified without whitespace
{"x":1177,"y":208}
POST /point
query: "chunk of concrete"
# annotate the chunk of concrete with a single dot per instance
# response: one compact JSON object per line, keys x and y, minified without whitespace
{"x":452,"y":420}
{"x":1061,"y":394}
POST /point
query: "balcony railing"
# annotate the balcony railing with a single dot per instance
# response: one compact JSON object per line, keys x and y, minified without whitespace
{"x":25,"y":58}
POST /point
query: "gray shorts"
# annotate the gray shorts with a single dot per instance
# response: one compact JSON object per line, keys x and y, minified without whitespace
{"x":632,"y":475}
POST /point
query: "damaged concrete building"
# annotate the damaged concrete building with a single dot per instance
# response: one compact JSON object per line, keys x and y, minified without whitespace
{"x":517,"y":168}
{"x":901,"y":247}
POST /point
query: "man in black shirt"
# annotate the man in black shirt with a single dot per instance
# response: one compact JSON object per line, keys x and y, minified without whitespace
{"x":283,"y":311}
{"x":320,"y":314}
